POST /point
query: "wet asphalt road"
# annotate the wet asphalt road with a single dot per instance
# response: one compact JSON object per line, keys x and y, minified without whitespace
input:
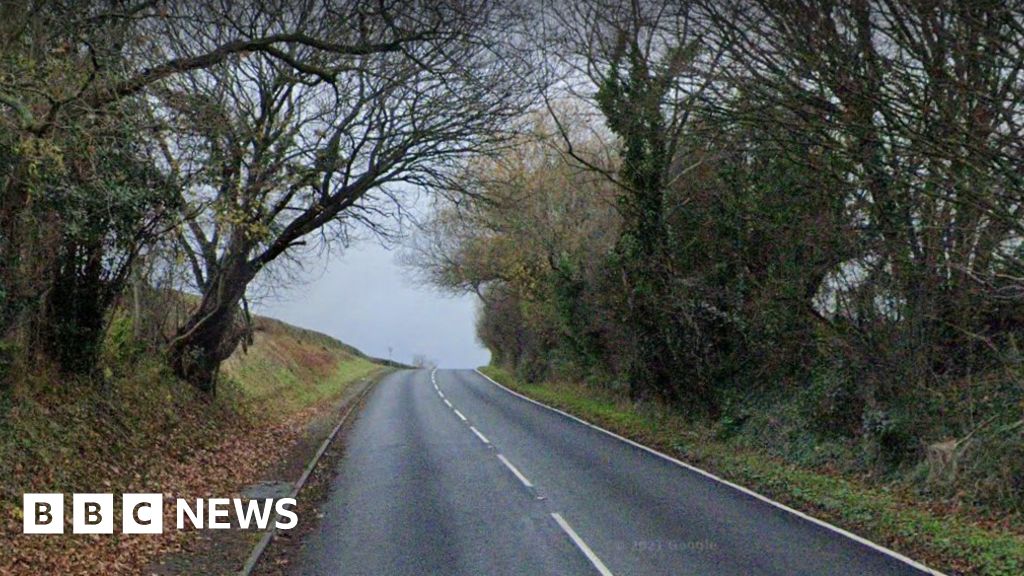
{"x":466,"y":478}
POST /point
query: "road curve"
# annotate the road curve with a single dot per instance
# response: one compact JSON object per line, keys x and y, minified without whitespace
{"x":446,"y":473}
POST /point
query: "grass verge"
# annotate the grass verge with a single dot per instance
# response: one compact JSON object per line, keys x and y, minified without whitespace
{"x":138,"y":429}
{"x":949,"y":542}
{"x":288,"y":369}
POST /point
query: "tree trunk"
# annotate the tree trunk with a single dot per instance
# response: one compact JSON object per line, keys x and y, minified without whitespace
{"x":211,"y":333}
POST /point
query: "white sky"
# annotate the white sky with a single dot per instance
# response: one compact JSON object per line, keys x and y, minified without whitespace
{"x":366,"y":299}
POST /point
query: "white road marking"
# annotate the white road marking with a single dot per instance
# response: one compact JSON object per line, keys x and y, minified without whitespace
{"x":441,"y":394}
{"x":449,"y":403}
{"x":747,"y":491}
{"x":459,"y":414}
{"x":515,"y":471}
{"x":581,"y":545}
{"x":479,"y":435}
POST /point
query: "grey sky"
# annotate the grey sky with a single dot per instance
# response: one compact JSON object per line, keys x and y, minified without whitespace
{"x":366,"y":299}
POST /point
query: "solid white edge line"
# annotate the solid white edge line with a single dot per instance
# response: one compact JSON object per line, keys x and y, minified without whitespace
{"x":747,"y":491}
{"x":581,"y":545}
{"x":515,"y":471}
{"x":479,"y":435}
{"x":459,"y":414}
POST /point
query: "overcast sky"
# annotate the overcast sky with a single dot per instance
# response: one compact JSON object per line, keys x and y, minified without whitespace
{"x":366,"y":299}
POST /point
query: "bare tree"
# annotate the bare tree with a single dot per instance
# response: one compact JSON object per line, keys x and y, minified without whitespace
{"x":920,"y":106}
{"x":274,"y":156}
{"x":76,"y":65}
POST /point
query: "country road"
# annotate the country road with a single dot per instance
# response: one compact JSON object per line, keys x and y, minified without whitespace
{"x":447,"y":473}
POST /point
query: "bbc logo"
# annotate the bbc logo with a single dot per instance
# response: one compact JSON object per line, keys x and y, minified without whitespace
{"x":144,"y":513}
{"x":93,"y":514}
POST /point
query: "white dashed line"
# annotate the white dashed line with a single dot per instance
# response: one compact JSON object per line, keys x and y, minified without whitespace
{"x":582,"y":545}
{"x":710,"y":476}
{"x":448,"y":403}
{"x":479,"y":435}
{"x":523,"y":479}
{"x":441,"y":394}
{"x":459,"y":414}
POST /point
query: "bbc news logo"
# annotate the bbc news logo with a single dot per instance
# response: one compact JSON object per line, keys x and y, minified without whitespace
{"x":144,"y":513}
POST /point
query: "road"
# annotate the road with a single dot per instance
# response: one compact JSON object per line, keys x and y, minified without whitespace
{"x":466,"y":478}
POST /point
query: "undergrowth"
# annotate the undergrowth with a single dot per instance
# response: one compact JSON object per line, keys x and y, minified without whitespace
{"x":954,"y":540}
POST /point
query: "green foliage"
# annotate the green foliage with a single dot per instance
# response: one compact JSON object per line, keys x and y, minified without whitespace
{"x":631,"y":96}
{"x":9,"y":354}
{"x":265,"y":378}
{"x":121,"y":349}
{"x":803,"y":364}
{"x":888,"y":437}
{"x":107,"y":213}
{"x":944,"y":541}
{"x":581,"y":339}
{"x":830,"y":405}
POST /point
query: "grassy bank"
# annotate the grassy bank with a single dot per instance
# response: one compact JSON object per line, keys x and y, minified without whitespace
{"x":947,"y":540}
{"x":289,"y":368}
{"x":138,"y":429}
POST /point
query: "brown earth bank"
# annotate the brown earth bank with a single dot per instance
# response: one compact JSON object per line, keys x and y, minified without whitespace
{"x":140,"y":430}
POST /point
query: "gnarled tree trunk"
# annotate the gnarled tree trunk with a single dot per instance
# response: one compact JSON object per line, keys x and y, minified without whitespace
{"x":212,"y":332}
